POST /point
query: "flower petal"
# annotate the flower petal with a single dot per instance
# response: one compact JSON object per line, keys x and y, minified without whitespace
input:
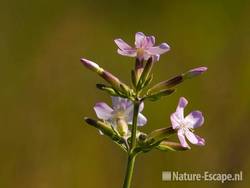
{"x":180,"y":108}
{"x":182,"y":139}
{"x":103,"y":111}
{"x":175,"y":120}
{"x":194,"y":119}
{"x":122,"y":45}
{"x":150,"y":41}
{"x":194,"y":139}
{"x":119,"y":103}
{"x":142,"y":120}
{"x":164,"y":47}
{"x":130,"y":53}
{"x":156,"y":57}
{"x":141,"y":107}
{"x":139,"y":39}
{"x":115,"y":101}
{"x":130,"y":113}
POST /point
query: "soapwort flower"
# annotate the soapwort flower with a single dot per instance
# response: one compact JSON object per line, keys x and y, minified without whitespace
{"x":185,"y":125}
{"x":120,"y":114}
{"x":144,"y":47}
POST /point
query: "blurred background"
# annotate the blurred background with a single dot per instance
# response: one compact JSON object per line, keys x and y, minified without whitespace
{"x":46,"y":92}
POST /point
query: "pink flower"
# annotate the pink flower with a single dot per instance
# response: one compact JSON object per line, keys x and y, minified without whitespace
{"x":144,"y":47}
{"x":185,"y":125}
{"x":122,"y":109}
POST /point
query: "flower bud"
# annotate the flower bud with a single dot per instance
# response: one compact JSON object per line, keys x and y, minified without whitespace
{"x":91,"y":65}
{"x":103,"y":127}
{"x":167,"y":84}
{"x":110,"y":78}
{"x":194,"y":72}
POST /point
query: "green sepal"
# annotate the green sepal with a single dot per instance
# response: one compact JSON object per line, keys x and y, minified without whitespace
{"x":174,"y":81}
{"x":107,"y":89}
{"x":168,"y":84}
{"x":133,"y":78}
{"x":148,"y":81}
{"x":171,"y":146}
{"x":106,"y":129}
{"x":145,"y":74}
{"x":159,"y":135}
{"x":157,"y":95}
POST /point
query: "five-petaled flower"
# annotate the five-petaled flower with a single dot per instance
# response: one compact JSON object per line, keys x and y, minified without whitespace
{"x":144,"y":47}
{"x":120,"y":114}
{"x":185,"y":125}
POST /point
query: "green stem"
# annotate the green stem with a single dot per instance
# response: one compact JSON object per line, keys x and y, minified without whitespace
{"x":134,"y":125}
{"x":132,"y":154}
{"x":129,"y":171}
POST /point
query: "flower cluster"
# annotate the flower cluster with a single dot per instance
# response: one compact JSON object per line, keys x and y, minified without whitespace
{"x":122,"y":121}
{"x":120,"y":116}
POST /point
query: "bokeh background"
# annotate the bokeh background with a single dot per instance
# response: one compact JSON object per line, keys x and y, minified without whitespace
{"x":46,"y":92}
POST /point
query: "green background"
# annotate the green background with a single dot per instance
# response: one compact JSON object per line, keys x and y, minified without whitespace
{"x":46,"y":92}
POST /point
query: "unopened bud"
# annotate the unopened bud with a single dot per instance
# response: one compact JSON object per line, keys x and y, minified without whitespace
{"x":110,"y":78}
{"x":91,"y":65}
{"x":168,"y":84}
{"x":194,"y":72}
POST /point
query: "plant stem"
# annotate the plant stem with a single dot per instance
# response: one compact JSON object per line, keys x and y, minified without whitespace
{"x":129,"y":171}
{"x":131,"y":154}
{"x":134,"y":125}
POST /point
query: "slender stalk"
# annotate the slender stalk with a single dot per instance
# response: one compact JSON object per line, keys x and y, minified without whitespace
{"x":134,"y":125}
{"x":129,"y":171}
{"x":131,"y":154}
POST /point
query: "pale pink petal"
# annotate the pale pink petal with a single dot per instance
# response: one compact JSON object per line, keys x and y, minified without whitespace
{"x":146,"y":56}
{"x":175,"y":121}
{"x":180,"y":108}
{"x":156,"y":57}
{"x":119,"y":103}
{"x":150,"y":41}
{"x":130,"y":53}
{"x":194,"y":139}
{"x":164,"y":47}
{"x":182,"y":138}
{"x":194,"y":119}
{"x":142,"y":120}
{"x":141,"y":107}
{"x":139,"y":39}
{"x":122,"y":45}
{"x":115,"y":101}
{"x":103,"y":111}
